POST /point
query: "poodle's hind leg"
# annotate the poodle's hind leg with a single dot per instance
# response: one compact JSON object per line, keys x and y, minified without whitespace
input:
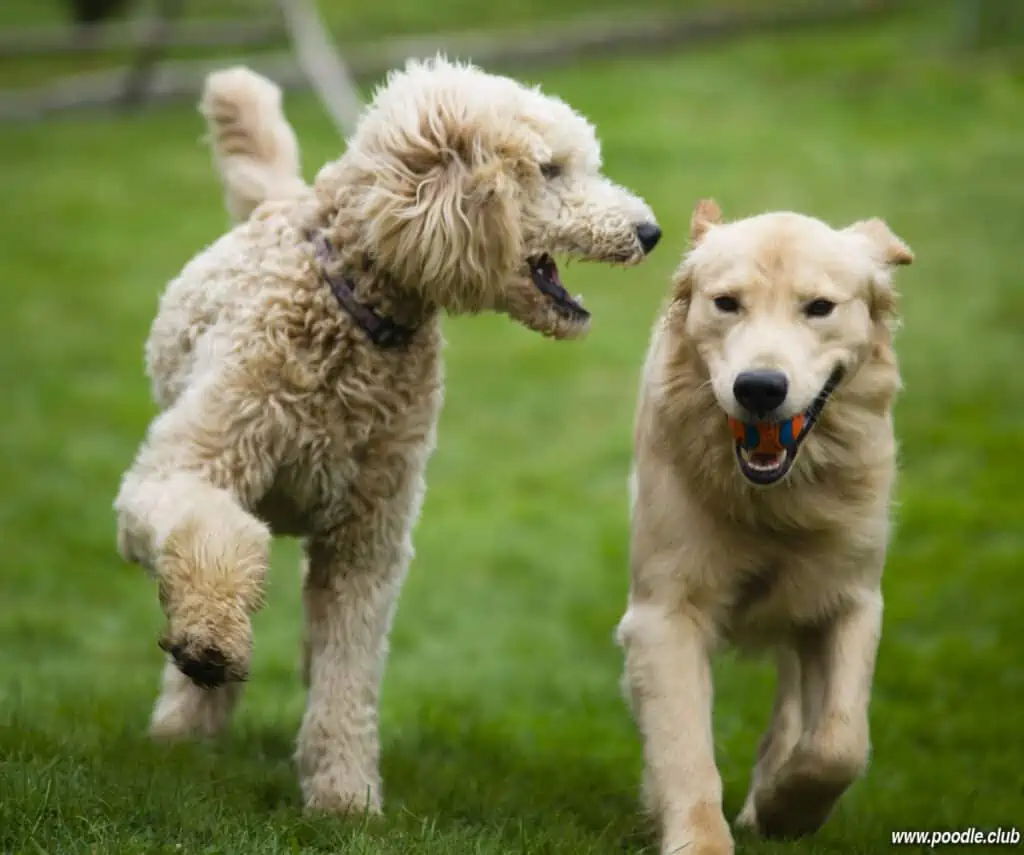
{"x":182,"y":514}
{"x":185,"y":710}
{"x":351,"y":589}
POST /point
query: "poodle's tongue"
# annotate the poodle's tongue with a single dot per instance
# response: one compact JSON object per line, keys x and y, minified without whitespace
{"x":550,"y":270}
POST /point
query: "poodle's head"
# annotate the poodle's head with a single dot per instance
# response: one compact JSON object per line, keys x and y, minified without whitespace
{"x":463,"y":185}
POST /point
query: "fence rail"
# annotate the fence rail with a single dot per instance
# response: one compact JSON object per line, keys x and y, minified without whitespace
{"x":544,"y":46}
{"x":130,"y":35}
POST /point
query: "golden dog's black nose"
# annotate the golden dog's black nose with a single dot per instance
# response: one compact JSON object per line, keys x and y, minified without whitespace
{"x":648,"y":234}
{"x":760,"y":392}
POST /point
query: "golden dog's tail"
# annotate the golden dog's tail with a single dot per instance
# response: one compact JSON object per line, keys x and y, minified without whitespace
{"x":254,"y":147}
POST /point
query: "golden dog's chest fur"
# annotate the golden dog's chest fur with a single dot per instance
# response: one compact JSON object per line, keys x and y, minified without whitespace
{"x":783,"y":558}
{"x":795,"y":567}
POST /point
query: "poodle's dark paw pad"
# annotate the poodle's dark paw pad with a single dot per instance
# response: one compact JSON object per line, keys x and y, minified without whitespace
{"x":205,"y":665}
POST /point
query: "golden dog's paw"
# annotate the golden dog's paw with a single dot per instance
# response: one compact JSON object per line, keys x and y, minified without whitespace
{"x":698,"y":847}
{"x":800,"y":798}
{"x":747,"y":818}
{"x":705,"y":833}
{"x":211,"y":649}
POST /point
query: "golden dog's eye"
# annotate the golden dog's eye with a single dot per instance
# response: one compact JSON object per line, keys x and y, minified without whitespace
{"x":727,"y":304}
{"x":550,"y":170}
{"x":819,"y":308}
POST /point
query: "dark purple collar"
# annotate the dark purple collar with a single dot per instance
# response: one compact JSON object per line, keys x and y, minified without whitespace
{"x":382,"y":331}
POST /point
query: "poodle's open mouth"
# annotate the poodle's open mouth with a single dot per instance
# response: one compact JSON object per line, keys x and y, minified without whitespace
{"x":544,"y":273}
{"x":766,"y":451}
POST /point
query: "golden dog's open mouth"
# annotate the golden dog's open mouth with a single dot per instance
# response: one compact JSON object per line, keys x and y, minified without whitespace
{"x":766,"y":451}
{"x":544,"y":274}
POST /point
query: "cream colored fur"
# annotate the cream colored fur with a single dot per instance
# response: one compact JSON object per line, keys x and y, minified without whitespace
{"x":796,"y":567}
{"x":256,"y":153}
{"x":279,"y":416}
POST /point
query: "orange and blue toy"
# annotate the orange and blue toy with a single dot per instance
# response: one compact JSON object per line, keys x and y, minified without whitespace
{"x":768,"y":437}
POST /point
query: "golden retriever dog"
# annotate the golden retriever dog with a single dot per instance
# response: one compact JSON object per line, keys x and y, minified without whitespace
{"x":763,"y":472}
{"x":297,"y":365}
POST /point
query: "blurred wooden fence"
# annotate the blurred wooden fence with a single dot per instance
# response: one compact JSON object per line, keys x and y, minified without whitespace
{"x":312,"y":59}
{"x":992,"y":23}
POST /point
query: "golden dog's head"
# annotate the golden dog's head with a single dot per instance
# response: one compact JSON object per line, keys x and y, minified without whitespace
{"x":784,"y":312}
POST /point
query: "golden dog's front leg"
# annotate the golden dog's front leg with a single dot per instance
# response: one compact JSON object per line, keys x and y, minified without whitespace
{"x":837,"y":668}
{"x":668,"y":683}
{"x":783,"y":732}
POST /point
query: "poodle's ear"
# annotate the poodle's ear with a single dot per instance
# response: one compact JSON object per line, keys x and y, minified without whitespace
{"x":705,"y":216}
{"x":887,"y":251}
{"x":485,"y":233}
{"x":439,"y":208}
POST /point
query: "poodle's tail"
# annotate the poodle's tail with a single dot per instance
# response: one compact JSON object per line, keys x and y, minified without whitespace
{"x":254,"y":147}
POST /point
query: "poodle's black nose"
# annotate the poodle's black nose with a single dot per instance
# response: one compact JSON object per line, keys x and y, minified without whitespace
{"x":648,"y":234}
{"x":760,"y":392}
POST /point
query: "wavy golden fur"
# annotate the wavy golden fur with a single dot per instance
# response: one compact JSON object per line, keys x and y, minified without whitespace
{"x":278,"y":414}
{"x":795,"y":567}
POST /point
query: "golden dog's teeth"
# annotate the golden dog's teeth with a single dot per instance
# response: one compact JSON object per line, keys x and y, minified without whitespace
{"x":579,"y":299}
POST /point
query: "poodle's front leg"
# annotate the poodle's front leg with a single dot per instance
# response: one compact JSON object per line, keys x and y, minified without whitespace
{"x":182,"y":514}
{"x":352,"y":584}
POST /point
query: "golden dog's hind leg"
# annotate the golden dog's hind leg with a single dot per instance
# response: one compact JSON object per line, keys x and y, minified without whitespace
{"x":668,"y":684}
{"x":182,"y":514}
{"x":837,"y":668}
{"x":783,"y":731}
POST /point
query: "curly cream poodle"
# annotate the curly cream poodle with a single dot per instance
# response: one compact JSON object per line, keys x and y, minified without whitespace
{"x":297,"y":365}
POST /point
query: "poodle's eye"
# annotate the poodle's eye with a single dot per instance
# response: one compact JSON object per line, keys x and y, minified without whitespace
{"x":820,"y":308}
{"x":550,"y":170}
{"x":727,"y":304}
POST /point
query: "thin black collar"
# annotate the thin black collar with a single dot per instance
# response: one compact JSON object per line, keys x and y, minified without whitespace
{"x":382,"y":331}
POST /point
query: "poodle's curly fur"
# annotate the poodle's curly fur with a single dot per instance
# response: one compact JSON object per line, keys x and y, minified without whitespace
{"x":278,"y":414}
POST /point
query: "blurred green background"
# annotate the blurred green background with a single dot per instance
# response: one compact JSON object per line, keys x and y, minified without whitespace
{"x":503,"y":727}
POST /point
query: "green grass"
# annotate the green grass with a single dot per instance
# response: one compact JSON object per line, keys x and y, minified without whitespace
{"x":503,"y":728}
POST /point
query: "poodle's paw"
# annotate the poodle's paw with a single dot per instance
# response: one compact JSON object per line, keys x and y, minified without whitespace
{"x":212,"y":647}
{"x":323,"y":794}
{"x":211,"y":581}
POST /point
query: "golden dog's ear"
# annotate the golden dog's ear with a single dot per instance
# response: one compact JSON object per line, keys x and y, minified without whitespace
{"x":706,"y":215}
{"x":888,"y":248}
{"x":682,"y":286}
{"x":889,"y":252}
